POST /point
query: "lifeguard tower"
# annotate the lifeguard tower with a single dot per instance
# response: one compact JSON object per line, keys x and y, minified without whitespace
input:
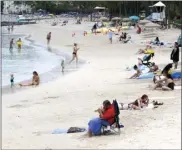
{"x":158,"y":12}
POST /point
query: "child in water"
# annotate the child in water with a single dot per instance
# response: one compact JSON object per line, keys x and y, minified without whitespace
{"x":12,"y":80}
{"x":19,"y":44}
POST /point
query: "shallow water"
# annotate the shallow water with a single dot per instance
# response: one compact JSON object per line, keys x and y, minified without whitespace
{"x":22,"y":64}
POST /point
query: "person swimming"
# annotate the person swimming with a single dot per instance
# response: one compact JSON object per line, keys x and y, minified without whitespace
{"x":75,"y":53}
{"x":35,"y":80}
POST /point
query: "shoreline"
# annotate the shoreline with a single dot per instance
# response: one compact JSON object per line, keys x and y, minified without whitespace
{"x":50,"y":75}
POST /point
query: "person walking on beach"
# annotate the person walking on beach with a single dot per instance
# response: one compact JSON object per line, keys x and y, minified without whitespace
{"x":75,"y":55}
{"x":11,"y":45}
{"x":48,"y":38}
{"x":12,"y":80}
{"x":175,"y":55}
{"x":110,"y":34}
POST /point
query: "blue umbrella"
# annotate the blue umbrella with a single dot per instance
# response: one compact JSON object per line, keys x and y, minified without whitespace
{"x":134,"y":18}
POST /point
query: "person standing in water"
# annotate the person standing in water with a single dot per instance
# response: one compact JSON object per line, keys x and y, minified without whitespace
{"x":75,"y":55}
{"x":48,"y":38}
{"x":12,"y":28}
{"x":11,"y":45}
{"x":8,"y":29}
{"x":12,"y":80}
{"x":175,"y":55}
{"x":19,"y":44}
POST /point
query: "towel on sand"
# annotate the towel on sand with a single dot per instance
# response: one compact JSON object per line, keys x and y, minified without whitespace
{"x":70,"y":130}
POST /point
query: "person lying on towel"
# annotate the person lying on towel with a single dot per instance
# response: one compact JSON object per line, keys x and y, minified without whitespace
{"x":140,"y":103}
{"x":137,"y":74}
{"x":106,"y":118}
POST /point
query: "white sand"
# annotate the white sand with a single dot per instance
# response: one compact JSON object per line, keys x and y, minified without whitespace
{"x":30,"y":116}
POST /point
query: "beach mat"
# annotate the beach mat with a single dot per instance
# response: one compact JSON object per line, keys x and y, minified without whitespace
{"x":70,"y":130}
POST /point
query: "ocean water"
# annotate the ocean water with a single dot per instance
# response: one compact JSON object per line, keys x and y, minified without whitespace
{"x":22,"y":64}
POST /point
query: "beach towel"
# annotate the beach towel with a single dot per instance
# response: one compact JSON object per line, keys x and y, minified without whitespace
{"x":95,"y":125}
{"x":70,"y":130}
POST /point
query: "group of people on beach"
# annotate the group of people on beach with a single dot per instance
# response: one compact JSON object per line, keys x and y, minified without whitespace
{"x":166,"y":81}
{"x":11,"y":45}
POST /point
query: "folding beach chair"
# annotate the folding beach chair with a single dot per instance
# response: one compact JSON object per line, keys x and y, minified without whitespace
{"x":146,"y":60}
{"x":115,"y":127}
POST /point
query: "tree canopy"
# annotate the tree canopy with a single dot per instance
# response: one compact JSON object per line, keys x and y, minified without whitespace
{"x":118,"y":8}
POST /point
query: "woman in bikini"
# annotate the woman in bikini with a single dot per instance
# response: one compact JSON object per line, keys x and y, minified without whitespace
{"x":75,"y":55}
{"x":35,"y":80}
{"x":166,"y":84}
{"x":139,"y":103}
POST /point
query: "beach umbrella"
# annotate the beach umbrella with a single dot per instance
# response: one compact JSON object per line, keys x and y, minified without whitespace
{"x":115,"y":18}
{"x":134,"y":18}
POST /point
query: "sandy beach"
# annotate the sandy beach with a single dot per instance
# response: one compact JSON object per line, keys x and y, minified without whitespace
{"x":29,"y":116}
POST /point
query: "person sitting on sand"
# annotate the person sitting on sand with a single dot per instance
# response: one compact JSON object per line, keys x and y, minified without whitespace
{"x":122,"y":36}
{"x":35,"y":80}
{"x":166,"y":84}
{"x":138,"y":104}
{"x":106,"y":118}
{"x":137,"y":74}
{"x":128,"y":38}
{"x":157,"y":42}
{"x":75,"y":53}
{"x":154,"y":67}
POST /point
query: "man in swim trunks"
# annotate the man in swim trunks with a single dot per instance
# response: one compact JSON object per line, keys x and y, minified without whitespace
{"x":137,"y":74}
{"x":35,"y":80}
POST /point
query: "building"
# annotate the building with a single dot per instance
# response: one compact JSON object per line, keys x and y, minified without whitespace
{"x":10,"y":7}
